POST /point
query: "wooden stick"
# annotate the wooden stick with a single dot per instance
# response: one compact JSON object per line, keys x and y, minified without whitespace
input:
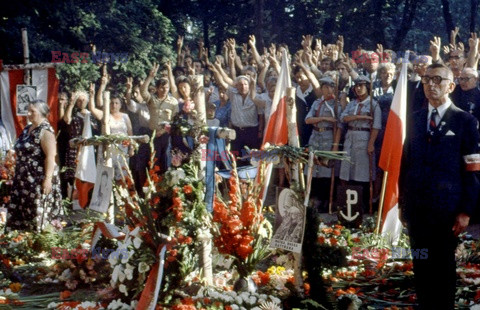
{"x":334,"y":132}
{"x":26,"y":56}
{"x":382,"y":198}
{"x":370,"y":156}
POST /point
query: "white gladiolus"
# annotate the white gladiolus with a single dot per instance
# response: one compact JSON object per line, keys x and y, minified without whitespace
{"x":123,"y":289}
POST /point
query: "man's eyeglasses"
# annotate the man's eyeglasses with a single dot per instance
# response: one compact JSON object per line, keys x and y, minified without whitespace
{"x":465,"y":79}
{"x":436,"y":79}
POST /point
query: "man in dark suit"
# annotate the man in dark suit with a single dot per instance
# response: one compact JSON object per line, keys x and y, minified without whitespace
{"x":437,"y":190}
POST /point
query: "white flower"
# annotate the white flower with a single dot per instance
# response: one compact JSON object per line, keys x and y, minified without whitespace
{"x":137,"y":242}
{"x":275,"y":299}
{"x":126,"y":257}
{"x":113,"y":259}
{"x":234,"y":307}
{"x":238,"y":300}
{"x":53,"y":305}
{"x":143,"y":267}
{"x":129,"y":272}
{"x":123,"y":289}
{"x":87,"y":305}
{"x":116,"y":273}
{"x":66,"y":275}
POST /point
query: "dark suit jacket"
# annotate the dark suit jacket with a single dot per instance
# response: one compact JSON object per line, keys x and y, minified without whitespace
{"x":434,"y":186}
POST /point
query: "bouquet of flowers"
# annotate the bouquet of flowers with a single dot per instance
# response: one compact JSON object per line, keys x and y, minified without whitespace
{"x":241,"y":230}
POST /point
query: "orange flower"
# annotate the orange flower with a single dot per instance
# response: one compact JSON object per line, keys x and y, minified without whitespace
{"x":327,"y":230}
{"x":306,"y":288}
{"x":321,"y":239}
{"x":187,"y":189}
{"x":65,"y":294}
{"x":333,"y":241}
{"x":337,"y":232}
{"x":15,"y":287}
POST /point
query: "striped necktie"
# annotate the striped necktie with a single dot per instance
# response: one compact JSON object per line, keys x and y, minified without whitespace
{"x":432,"y":124}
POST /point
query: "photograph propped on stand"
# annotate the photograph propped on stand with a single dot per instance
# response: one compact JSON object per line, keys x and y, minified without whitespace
{"x":289,"y":222}
{"x":103,"y":189}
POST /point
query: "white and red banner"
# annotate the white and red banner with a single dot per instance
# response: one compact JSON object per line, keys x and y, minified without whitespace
{"x":276,"y":132}
{"x":47,"y":90}
{"x":391,"y":155}
{"x":86,"y":171}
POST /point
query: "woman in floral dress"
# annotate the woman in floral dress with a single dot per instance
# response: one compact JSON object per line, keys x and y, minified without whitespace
{"x":36,"y":197}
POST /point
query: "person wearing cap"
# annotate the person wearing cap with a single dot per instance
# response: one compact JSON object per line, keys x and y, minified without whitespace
{"x":244,"y":112}
{"x":363,"y":118}
{"x":211,"y":120}
{"x":323,"y":116}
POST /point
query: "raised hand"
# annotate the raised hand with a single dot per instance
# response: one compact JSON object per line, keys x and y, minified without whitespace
{"x":231,"y":43}
{"x":91,"y":90}
{"x":380,"y":51}
{"x":340,"y":43}
{"x":446,"y":49}
{"x":318,"y":45}
{"x":307,"y":41}
{"x":435,"y":46}
{"x":453,"y":35}
{"x":168,"y":65}
{"x":154,"y":70}
{"x":180,"y":42}
{"x":272,"y":49}
{"x":245,"y":49}
{"x":251,"y":40}
{"x":129,"y":84}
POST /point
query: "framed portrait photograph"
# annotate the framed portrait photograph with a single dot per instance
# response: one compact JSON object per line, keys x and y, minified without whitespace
{"x":102,"y":190}
{"x":289,"y":222}
{"x":25,"y":95}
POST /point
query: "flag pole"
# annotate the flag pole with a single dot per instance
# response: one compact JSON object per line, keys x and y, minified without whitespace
{"x":382,"y":200}
{"x":370,"y":156}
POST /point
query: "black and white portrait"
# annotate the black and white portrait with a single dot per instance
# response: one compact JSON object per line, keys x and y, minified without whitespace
{"x":102,"y":190}
{"x":25,"y":95}
{"x":289,"y":222}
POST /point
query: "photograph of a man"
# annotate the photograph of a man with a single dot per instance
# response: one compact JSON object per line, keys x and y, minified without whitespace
{"x":25,"y":95}
{"x":102,"y":190}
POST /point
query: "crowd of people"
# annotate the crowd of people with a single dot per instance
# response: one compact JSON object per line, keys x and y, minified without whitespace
{"x":342,"y":104}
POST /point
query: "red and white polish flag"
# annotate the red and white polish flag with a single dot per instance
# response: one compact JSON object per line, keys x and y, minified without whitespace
{"x":391,"y":155}
{"x":276,"y":132}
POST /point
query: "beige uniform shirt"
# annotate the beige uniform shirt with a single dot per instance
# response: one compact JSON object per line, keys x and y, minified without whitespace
{"x":161,"y":111}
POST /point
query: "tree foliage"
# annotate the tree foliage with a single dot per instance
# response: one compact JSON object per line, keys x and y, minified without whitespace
{"x":135,"y":27}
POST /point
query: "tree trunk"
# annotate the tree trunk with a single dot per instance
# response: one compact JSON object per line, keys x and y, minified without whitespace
{"x":259,"y":6}
{"x":447,"y":15}
{"x":206,"y":40}
{"x":473,"y":14}
{"x":378,"y":22}
{"x":408,"y":15}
